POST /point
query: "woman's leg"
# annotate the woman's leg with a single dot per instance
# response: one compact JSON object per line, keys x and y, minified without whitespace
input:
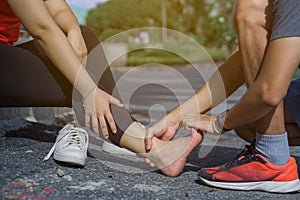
{"x":31,"y":79}
{"x":100,"y":71}
{"x":169,"y":157}
{"x":26,"y":81}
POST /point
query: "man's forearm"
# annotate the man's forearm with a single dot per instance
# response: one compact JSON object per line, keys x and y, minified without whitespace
{"x":270,"y":87}
{"x":229,"y":77}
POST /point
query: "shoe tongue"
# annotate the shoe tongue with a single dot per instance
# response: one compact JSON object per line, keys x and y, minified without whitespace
{"x":248,"y":150}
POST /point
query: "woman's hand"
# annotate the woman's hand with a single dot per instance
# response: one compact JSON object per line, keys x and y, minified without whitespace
{"x":97,"y":110}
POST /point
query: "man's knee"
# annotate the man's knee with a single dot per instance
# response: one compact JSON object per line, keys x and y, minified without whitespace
{"x":250,"y":13}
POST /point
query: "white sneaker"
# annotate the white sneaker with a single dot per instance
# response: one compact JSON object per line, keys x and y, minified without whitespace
{"x":70,"y":146}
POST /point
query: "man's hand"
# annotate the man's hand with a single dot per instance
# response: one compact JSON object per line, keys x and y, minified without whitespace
{"x":163,"y":129}
{"x":204,"y":123}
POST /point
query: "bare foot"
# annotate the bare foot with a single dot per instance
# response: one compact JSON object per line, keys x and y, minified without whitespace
{"x":170,"y":157}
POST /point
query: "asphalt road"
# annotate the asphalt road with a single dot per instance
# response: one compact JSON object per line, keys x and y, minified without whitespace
{"x":23,"y":174}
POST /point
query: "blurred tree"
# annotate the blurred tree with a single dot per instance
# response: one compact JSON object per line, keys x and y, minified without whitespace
{"x":119,"y":15}
{"x":218,"y":27}
{"x":207,"y":21}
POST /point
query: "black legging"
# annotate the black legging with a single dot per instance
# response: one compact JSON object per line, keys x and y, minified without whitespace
{"x":29,"y":78}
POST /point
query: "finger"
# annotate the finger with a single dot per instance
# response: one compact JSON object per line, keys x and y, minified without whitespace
{"x":116,"y":102}
{"x":95,"y":124}
{"x":199,"y":132}
{"x":148,"y":139}
{"x":87,"y":120}
{"x":148,"y":142}
{"x":186,"y":125}
{"x":147,"y":160}
{"x":111,"y":122}
{"x":194,"y":131}
{"x":152,"y":165}
{"x":189,"y":124}
{"x":103,"y":126}
{"x":158,"y":132}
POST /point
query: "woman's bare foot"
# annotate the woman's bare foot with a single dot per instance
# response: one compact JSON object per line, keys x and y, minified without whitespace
{"x":170,"y":156}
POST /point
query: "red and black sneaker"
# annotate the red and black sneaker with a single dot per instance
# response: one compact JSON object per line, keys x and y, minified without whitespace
{"x":251,"y":171}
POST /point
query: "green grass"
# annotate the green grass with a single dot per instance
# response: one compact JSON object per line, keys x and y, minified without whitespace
{"x":155,"y":55}
{"x":139,"y":57}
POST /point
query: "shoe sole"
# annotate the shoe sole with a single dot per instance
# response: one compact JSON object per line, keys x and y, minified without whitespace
{"x":70,"y":160}
{"x":267,"y":186}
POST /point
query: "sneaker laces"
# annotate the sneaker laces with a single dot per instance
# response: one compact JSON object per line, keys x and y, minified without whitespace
{"x":74,"y":138}
{"x":248,"y":150}
{"x":247,"y":153}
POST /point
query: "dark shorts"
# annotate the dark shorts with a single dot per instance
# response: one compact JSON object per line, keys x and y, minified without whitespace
{"x":29,"y":78}
{"x":292,"y":100}
{"x":286,"y":22}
